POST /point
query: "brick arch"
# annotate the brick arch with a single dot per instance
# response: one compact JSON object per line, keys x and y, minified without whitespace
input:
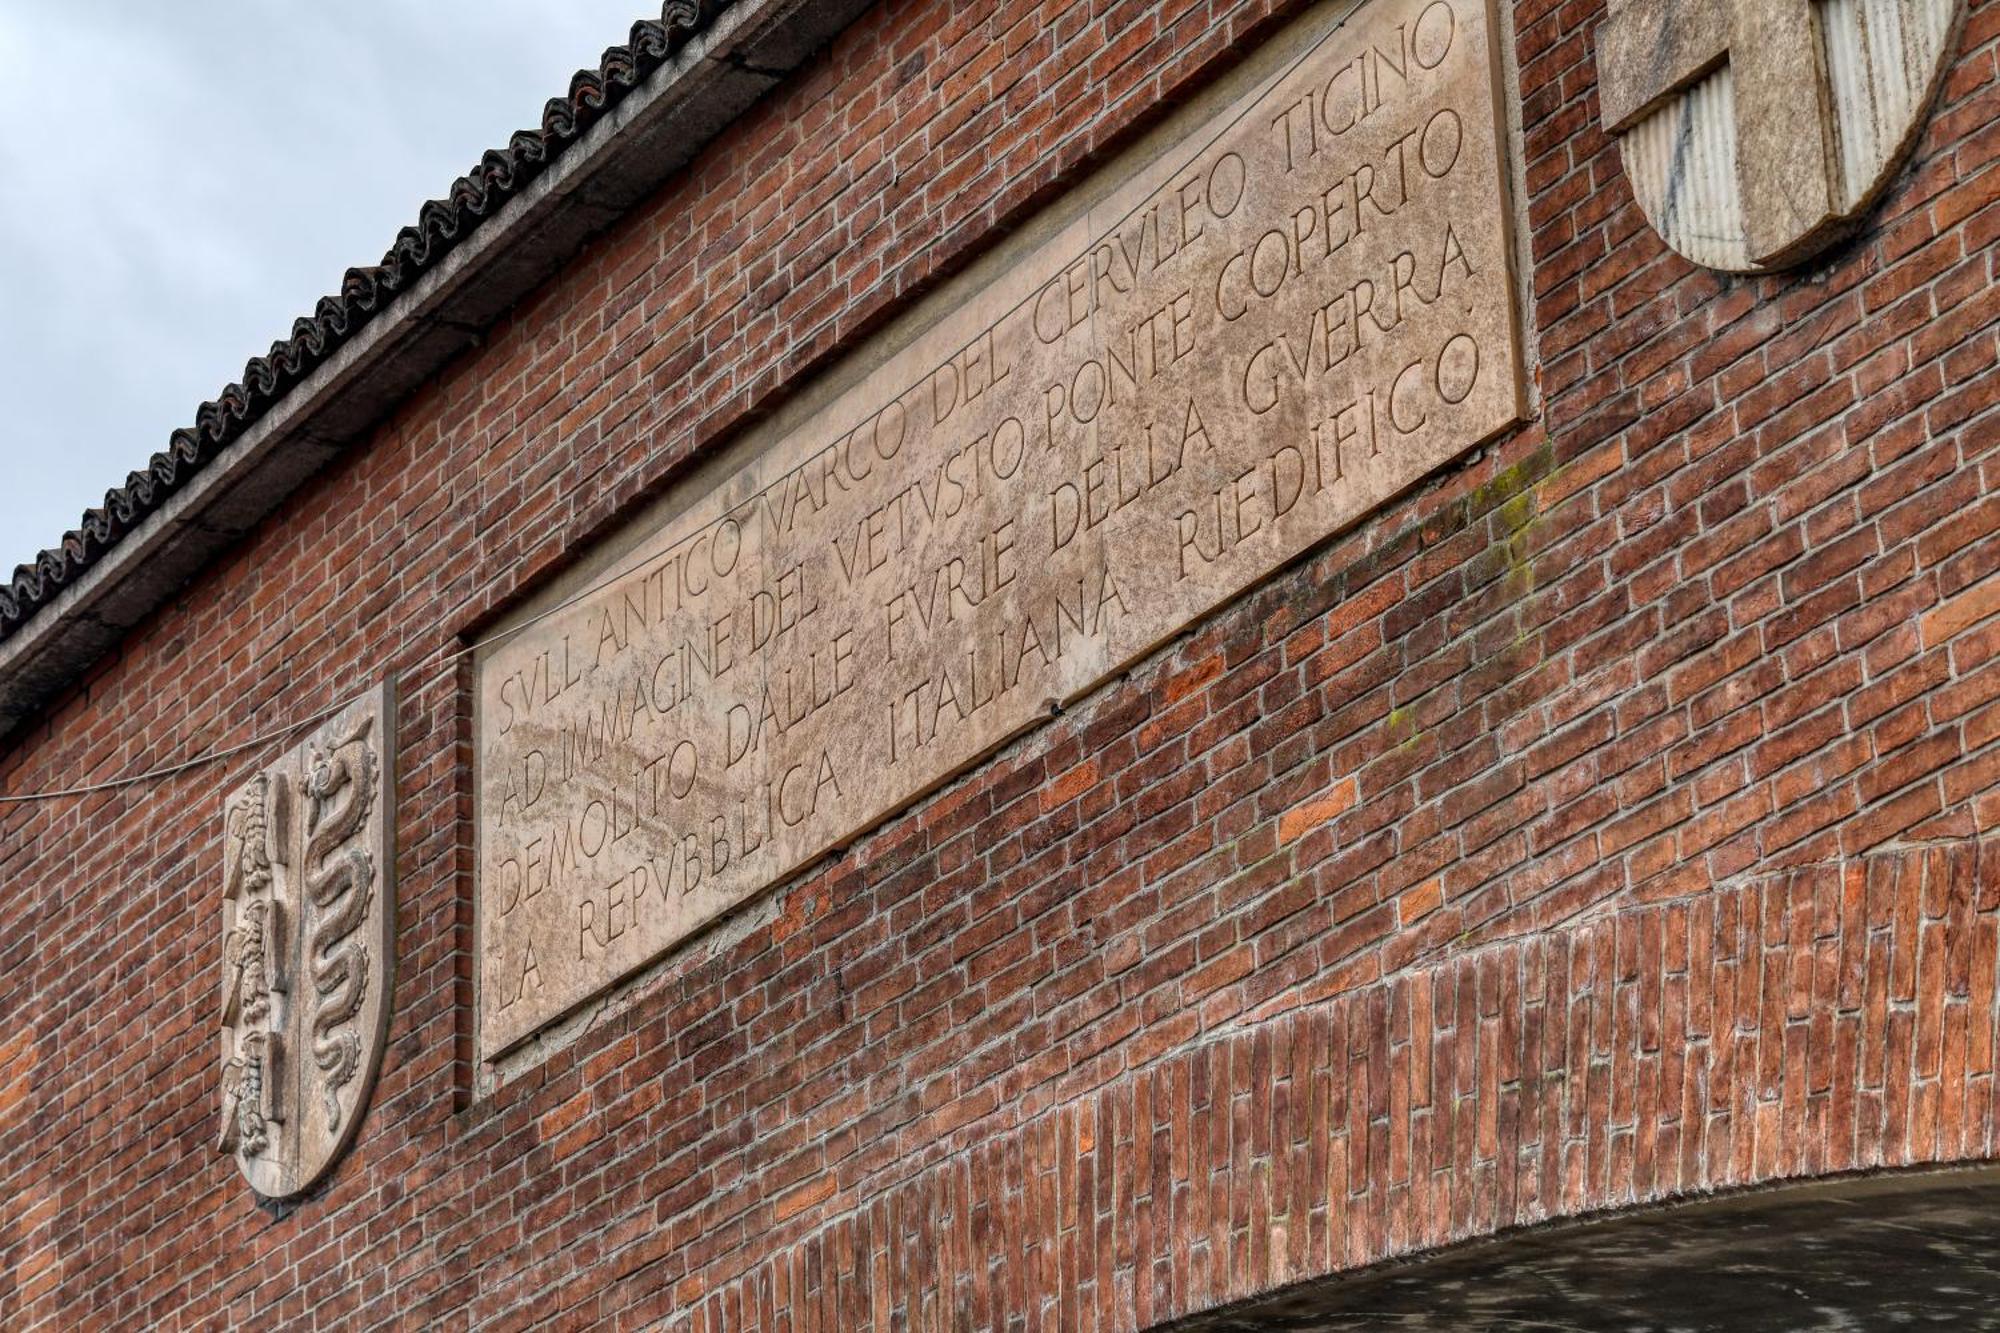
{"x":1914,"y":1247}
{"x":1806,"y":1023}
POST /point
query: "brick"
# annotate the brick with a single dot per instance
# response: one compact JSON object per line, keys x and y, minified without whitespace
{"x":1299,"y":820}
{"x":1676,"y":711}
{"x":1968,"y":608}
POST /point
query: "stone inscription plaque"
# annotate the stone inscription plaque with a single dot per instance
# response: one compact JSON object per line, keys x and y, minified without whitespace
{"x":1297,"y":310}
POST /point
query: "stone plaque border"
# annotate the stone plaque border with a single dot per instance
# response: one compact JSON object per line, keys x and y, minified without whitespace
{"x":1222,"y":106}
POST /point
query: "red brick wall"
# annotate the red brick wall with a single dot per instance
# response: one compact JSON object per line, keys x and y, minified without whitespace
{"x":1614,"y":817}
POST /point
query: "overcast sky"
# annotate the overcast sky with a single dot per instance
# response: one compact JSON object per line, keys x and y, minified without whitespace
{"x":180,"y":179}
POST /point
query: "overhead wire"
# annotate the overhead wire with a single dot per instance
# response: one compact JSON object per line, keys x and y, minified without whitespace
{"x":1249,"y":100}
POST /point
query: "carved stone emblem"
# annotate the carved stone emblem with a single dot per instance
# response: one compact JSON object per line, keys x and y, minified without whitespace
{"x":1757,"y":132}
{"x":308,"y":910}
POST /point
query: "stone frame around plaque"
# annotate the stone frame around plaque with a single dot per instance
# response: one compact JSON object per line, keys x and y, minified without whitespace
{"x":942,"y":318}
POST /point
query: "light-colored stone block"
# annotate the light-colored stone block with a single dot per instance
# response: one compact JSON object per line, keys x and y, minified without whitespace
{"x":1755,"y":133}
{"x":1293,"y":310}
{"x":308,"y":921}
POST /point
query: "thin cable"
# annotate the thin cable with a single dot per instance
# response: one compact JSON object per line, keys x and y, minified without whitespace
{"x":198,"y":761}
{"x":403,"y":678}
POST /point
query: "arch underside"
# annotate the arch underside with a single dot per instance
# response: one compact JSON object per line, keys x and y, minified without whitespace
{"x":1913,"y":1250}
{"x":1822,"y":1021}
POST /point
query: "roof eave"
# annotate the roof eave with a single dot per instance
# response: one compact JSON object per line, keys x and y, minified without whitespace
{"x":621,"y":159}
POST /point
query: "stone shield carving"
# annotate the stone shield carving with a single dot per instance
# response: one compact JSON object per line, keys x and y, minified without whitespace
{"x":308,"y":911}
{"x":1757,"y":132}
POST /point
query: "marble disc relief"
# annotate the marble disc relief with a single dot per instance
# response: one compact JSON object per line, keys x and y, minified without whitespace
{"x":308,"y":913}
{"x":1757,"y":132}
{"x":1294,"y":310}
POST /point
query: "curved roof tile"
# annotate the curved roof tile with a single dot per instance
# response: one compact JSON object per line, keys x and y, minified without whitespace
{"x":364,"y":293}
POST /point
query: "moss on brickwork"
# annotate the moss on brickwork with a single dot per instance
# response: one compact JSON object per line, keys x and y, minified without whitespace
{"x":1514,"y":482}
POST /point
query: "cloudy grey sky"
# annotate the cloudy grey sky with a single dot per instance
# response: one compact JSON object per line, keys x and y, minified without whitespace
{"x":179,"y":181}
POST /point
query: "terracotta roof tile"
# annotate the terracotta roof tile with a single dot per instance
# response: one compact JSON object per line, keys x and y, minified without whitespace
{"x":364,"y":293}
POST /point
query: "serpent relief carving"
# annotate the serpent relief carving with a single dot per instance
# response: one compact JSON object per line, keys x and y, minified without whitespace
{"x":308,"y":905}
{"x":340,"y":790}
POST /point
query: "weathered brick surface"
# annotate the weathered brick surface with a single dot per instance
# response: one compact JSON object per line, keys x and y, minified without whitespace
{"x":1826,"y":1019}
{"x":1614,"y":817}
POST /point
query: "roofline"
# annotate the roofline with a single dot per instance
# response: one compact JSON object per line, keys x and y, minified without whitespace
{"x":640,"y":139}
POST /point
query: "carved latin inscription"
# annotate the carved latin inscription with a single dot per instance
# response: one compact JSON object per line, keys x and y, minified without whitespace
{"x":1295,"y":311}
{"x":307,"y":910}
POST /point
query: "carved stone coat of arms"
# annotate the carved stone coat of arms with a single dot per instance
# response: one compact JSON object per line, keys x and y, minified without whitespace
{"x":1757,"y":132}
{"x":308,"y":911}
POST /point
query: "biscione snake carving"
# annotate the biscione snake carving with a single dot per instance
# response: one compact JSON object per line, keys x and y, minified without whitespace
{"x":340,"y":790}
{"x":308,"y":909}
